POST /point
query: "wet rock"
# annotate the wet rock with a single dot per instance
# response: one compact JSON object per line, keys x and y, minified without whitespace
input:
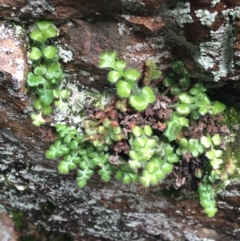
{"x":204,"y":34}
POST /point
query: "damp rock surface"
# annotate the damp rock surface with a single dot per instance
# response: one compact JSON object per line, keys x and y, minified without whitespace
{"x":204,"y":34}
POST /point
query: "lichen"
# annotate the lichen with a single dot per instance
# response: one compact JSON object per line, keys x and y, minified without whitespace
{"x":181,"y":13}
{"x":207,"y":18}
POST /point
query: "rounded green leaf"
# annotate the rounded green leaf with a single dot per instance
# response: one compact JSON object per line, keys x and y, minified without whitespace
{"x":134,"y":164}
{"x":145,"y":178}
{"x":173,"y":158}
{"x":185,"y":81}
{"x":138,"y":103}
{"x":123,"y":88}
{"x":147,"y":130}
{"x":178,"y":66}
{"x":37,"y":104}
{"x":148,"y":95}
{"x":106,"y":177}
{"x":50,"y":32}
{"x":81,"y":182}
{"x":35,"y":53}
{"x":169,"y":81}
{"x":40,"y":70}
{"x":167,"y":168}
{"x":64,"y":94}
{"x":175,"y":90}
{"x":133,"y":155}
{"x":132,"y":74}
{"x":183,"y":109}
{"x":42,"y":25}
{"x":137,"y":131}
{"x":205,"y":141}
{"x":49,"y":52}
{"x":151,"y":167}
{"x":216,"y":139}
{"x":47,"y":110}
{"x":37,"y":36}
{"x":34,"y":80}
{"x":113,"y":76}
{"x":120,"y":64}
{"x":63,"y":167}
{"x":185,"y":98}
{"x":126,"y":178}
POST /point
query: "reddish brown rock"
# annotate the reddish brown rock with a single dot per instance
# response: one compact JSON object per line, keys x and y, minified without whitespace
{"x":204,"y":34}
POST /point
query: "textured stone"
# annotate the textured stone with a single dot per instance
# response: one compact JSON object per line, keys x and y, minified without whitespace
{"x":204,"y":34}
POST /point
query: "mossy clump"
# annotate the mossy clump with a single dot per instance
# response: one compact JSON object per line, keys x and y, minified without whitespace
{"x":231,"y":155}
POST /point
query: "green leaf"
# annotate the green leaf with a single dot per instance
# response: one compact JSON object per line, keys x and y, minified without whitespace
{"x":107,"y":60}
{"x":37,"y":104}
{"x":173,"y":158}
{"x":34,"y":80}
{"x":173,"y":130}
{"x":64,"y":94}
{"x":43,"y":25}
{"x":203,"y":110}
{"x":49,"y":52}
{"x":169,"y":81}
{"x":132,"y":74}
{"x":37,"y":119}
{"x":137,"y":131}
{"x":197,"y":89}
{"x":37,"y":36}
{"x":123,"y":88}
{"x":217,"y":108}
{"x":147,"y":94}
{"x":147,"y":130}
{"x":185,"y":81}
{"x":185,"y":98}
{"x":206,"y":141}
{"x":81,"y":182}
{"x":138,"y":103}
{"x":216,"y":139}
{"x":35,"y":53}
{"x":175,"y":90}
{"x":218,"y":153}
{"x":151,"y":167}
{"x":46,"y":96}
{"x":145,"y":178}
{"x":106,"y":177}
{"x":50,"y":32}
{"x":113,"y":76}
{"x":183,"y":109}
{"x":60,"y":104}
{"x":183,"y":142}
{"x":178,"y":66}
{"x":210,"y":155}
{"x":63,"y":167}
{"x":120,"y":65}
{"x":134,"y":164}
{"x":167,"y":168}
{"x":195,"y":114}
{"x":40,"y":70}
{"x":216,"y":162}
{"x":47,"y":110}
{"x":210,"y":211}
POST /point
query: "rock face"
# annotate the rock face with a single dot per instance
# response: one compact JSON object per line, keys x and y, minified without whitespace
{"x":204,"y":34}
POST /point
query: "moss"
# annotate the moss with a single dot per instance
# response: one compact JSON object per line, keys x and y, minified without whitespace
{"x":231,"y":155}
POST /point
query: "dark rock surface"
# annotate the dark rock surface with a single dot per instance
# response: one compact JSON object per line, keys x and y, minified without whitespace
{"x":204,"y":34}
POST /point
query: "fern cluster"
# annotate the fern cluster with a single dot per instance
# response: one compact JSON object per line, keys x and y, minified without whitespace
{"x":110,"y":142}
{"x":47,"y":75}
{"x":126,"y":81}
